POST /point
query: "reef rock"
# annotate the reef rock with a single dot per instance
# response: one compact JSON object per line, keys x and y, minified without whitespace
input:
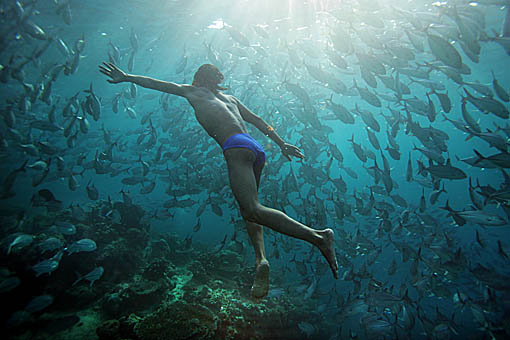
{"x":177,"y":321}
{"x":134,"y":297}
{"x":109,"y":330}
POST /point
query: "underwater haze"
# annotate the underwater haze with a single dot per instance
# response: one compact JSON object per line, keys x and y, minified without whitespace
{"x":117,"y":219}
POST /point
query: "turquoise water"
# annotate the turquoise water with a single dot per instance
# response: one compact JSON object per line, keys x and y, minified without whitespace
{"x":408,"y":267}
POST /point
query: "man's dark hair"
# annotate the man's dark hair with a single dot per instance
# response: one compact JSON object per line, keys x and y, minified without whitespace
{"x":208,"y":76}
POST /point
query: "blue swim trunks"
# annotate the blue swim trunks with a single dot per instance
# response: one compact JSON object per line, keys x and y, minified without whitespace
{"x":244,"y":140}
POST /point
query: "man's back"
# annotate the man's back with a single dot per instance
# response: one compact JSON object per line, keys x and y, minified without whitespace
{"x":217,"y":113}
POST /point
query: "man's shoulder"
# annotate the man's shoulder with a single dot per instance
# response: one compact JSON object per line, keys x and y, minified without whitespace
{"x":189,"y":87}
{"x":195,"y":91}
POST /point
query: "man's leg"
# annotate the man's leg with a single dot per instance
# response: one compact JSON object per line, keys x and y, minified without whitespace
{"x":244,"y":187}
{"x":256,"y":234}
{"x":260,"y":286}
{"x":255,"y":231}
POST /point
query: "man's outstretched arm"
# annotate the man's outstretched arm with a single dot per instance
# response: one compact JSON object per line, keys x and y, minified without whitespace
{"x":287,"y":149}
{"x":119,"y":76}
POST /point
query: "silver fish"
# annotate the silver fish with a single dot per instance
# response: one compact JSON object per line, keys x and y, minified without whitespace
{"x":50,"y":244}
{"x":45,"y":267}
{"x":39,"y":303}
{"x":446,"y":171}
{"x":92,"y":277}
{"x":8,"y":284}
{"x":19,"y":242}
{"x":83,"y":245}
{"x":475,"y":217}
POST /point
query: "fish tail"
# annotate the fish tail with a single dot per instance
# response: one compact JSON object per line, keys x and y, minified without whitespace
{"x":480,"y":157}
{"x":81,"y":174}
{"x":445,"y":118}
{"x":467,"y":92}
{"x":447,"y":206}
{"x":471,"y":135}
{"x":80,"y":277}
{"x":501,"y":250}
{"x":421,"y":167}
{"x":406,"y":298}
{"x":487,"y":199}
{"x":23,"y":166}
{"x":89,"y":90}
{"x":443,"y":189}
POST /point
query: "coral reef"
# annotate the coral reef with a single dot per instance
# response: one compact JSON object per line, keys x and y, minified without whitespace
{"x":153,"y":287}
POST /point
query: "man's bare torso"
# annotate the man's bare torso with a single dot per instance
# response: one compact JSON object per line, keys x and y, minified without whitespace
{"x":217,"y":113}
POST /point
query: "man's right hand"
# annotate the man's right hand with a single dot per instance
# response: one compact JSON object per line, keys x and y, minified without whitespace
{"x":112,"y":71}
{"x":291,"y":150}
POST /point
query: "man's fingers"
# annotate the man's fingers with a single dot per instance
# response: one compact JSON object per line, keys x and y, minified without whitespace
{"x":106,"y":70}
{"x":106,"y":66}
{"x":297,"y":152}
{"x":106,"y":73}
{"x":294,"y":148}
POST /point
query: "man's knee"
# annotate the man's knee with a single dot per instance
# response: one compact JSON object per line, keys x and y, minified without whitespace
{"x":252,"y":213}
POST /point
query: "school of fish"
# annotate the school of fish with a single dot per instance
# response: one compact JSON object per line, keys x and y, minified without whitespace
{"x":401,"y":110}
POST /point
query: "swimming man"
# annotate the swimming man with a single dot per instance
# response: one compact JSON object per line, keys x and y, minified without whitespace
{"x":223,"y":116}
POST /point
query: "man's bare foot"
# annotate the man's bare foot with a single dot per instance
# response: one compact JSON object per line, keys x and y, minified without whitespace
{"x":327,"y":248}
{"x":260,"y":286}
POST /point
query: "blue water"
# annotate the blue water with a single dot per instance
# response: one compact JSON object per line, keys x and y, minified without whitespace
{"x":169,"y":32}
